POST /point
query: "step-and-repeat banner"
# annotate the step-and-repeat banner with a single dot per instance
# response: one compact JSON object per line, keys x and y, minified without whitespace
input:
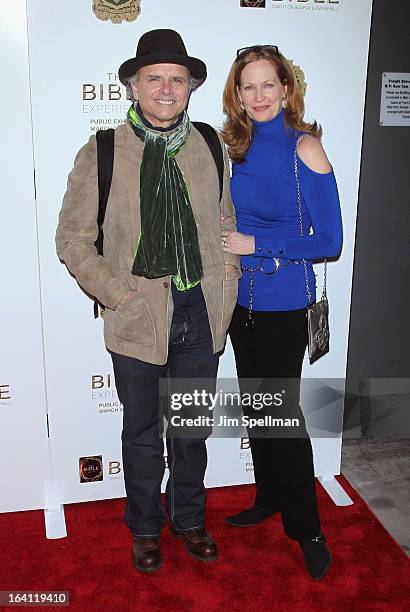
{"x":74,"y":55}
{"x":24,"y":446}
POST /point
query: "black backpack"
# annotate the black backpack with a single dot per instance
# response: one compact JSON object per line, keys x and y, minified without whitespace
{"x":105,"y":163}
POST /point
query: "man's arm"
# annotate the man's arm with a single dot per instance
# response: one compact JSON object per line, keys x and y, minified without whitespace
{"x":77,"y":231}
{"x":232,"y":261}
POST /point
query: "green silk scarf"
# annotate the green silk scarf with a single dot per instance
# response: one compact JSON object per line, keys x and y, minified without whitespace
{"x":168,"y":243}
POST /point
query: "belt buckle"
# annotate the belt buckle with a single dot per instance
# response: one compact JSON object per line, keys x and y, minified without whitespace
{"x":276,"y":266}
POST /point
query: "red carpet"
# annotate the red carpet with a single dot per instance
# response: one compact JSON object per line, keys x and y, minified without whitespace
{"x":259,"y":568}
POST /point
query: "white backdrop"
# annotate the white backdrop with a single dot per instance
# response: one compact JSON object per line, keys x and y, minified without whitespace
{"x":24,"y":448}
{"x":72,"y":55}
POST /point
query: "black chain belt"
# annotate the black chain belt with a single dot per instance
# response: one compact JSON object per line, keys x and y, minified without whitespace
{"x":259,"y":268}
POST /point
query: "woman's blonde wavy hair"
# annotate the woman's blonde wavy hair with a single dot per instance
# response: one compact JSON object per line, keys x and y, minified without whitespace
{"x":238,"y":128}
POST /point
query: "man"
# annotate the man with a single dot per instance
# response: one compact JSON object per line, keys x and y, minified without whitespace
{"x":167,"y":286}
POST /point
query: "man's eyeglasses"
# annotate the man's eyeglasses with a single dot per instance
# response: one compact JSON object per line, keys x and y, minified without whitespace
{"x":241,"y":53}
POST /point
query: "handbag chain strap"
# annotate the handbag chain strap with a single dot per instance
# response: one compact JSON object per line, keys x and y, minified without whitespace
{"x":295,"y":160}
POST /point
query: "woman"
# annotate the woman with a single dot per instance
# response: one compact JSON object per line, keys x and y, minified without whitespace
{"x":264,"y":123}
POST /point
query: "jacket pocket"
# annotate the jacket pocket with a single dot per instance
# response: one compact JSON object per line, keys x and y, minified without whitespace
{"x":132,"y":321}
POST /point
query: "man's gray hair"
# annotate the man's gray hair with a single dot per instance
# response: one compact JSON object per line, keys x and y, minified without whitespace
{"x":193,"y":84}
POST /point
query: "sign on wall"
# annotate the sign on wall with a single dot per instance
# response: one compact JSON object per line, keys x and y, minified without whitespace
{"x":395,"y":99}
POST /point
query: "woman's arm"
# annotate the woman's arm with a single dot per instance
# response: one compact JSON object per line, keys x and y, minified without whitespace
{"x":320,"y":195}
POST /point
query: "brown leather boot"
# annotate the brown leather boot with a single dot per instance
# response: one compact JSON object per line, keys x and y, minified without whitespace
{"x":198,"y":543}
{"x":146,"y":554}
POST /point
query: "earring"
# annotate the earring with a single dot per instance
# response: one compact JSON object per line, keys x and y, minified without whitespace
{"x":284,"y":102}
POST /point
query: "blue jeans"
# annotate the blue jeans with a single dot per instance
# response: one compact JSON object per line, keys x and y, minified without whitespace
{"x":138,"y":385}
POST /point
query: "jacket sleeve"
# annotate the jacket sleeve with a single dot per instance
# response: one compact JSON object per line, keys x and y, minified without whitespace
{"x":321,"y":199}
{"x":78,"y":229}
{"x":227,"y":209}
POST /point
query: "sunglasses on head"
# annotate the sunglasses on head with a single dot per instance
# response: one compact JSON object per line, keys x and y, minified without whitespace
{"x":241,"y":53}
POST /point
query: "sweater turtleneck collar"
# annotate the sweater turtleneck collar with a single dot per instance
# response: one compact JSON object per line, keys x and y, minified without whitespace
{"x":269,"y":129}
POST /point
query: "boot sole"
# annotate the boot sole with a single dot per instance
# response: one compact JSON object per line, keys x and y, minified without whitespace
{"x":246,"y":524}
{"x":232,"y":522}
{"x":325,"y":571}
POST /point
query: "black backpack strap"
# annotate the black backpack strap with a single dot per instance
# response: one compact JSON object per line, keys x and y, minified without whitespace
{"x":211,"y":138}
{"x":105,"y":164}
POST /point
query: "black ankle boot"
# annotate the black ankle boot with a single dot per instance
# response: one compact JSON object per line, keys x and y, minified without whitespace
{"x":317,"y":556}
{"x":250,"y":516}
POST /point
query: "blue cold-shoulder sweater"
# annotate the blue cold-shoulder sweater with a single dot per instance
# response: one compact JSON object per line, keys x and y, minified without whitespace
{"x":264,"y":194}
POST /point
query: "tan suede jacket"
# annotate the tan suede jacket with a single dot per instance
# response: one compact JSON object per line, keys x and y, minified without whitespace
{"x":139,"y":327}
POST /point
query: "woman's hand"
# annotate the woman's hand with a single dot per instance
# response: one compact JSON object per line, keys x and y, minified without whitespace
{"x":237,"y":243}
{"x":231,"y":269}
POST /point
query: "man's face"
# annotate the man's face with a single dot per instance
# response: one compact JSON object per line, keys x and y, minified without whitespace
{"x":163,"y":92}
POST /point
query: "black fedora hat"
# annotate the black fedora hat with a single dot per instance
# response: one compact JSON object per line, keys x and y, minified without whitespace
{"x":161,"y":47}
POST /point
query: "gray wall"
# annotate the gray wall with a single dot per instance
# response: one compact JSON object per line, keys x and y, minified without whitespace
{"x":379,"y":341}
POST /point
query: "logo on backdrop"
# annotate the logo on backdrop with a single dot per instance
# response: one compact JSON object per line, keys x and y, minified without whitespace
{"x":117,"y":11}
{"x":299,"y":76}
{"x":308,"y":5}
{"x":253,"y":3}
{"x":245,"y":454}
{"x":91,"y":469}
{"x":5,"y":395}
{"x":115,"y":471}
{"x":104,"y":394}
{"x":105,"y":103}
